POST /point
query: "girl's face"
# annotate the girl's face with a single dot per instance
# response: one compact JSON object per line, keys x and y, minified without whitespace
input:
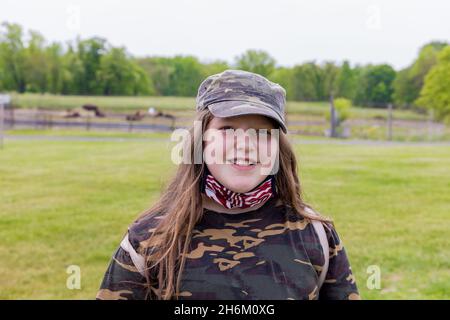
{"x":240,"y":158}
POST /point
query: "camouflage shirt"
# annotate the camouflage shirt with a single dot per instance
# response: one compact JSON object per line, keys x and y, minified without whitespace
{"x":268,"y":253}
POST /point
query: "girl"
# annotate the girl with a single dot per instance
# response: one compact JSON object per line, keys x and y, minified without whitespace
{"x":233,"y":226}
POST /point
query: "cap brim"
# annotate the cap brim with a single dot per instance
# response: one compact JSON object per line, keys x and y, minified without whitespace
{"x":226,"y":109}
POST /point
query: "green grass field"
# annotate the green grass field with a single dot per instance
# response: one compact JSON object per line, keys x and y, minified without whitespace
{"x":69,"y":203}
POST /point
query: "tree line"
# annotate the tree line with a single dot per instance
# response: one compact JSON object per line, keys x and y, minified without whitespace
{"x":28,"y":63}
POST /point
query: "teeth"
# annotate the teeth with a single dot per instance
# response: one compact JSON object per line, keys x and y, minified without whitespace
{"x":244,"y":163}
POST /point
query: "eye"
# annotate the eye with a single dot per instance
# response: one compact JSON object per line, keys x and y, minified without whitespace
{"x":225,"y":128}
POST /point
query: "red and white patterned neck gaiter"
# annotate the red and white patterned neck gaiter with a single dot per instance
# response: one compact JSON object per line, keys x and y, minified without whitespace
{"x":230,"y":199}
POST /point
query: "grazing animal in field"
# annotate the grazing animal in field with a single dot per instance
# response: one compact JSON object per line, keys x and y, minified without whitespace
{"x":71,"y":114}
{"x":95,"y":109}
{"x":137,"y":116}
{"x":155,"y":113}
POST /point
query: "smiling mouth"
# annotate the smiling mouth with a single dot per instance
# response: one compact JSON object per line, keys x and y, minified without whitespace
{"x":243,"y":162}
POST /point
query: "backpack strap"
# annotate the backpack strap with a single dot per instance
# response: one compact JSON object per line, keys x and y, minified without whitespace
{"x":138,"y":260}
{"x":320,"y":231}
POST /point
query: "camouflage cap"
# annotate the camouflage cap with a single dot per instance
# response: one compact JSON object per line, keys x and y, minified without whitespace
{"x":237,"y":92}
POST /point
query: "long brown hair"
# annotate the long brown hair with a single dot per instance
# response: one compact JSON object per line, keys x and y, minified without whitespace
{"x":180,"y":208}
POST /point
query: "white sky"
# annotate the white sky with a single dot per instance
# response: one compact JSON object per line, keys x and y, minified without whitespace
{"x":361,"y":31}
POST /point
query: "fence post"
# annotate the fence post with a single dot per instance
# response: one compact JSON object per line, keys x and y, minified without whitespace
{"x":333,"y":118}
{"x":389,"y":122}
{"x":4,"y":99}
{"x":49,"y":121}
{"x":12,"y":116}
{"x":36,"y":118}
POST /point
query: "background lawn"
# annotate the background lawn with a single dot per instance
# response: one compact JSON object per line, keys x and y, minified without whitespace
{"x":70,"y":202}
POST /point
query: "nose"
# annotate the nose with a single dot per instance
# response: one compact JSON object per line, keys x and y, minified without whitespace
{"x":246,"y":143}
